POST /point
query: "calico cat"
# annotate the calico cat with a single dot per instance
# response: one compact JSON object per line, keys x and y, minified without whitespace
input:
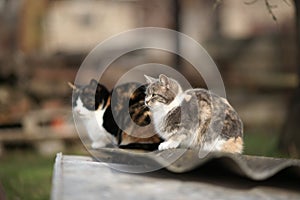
{"x":92,"y":103}
{"x":195,"y":118}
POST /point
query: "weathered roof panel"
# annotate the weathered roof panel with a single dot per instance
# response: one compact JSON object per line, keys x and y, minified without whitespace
{"x":251,"y":167}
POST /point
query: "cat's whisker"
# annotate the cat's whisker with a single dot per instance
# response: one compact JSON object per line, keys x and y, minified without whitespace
{"x":137,"y":106}
{"x":72,"y":86}
{"x":143,"y":106}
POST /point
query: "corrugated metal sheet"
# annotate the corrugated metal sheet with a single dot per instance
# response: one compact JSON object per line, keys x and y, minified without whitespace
{"x":212,"y":177}
{"x":182,"y":160}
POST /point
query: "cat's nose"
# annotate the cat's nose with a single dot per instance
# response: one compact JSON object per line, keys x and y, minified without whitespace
{"x":147,"y":102}
{"x":77,"y":111}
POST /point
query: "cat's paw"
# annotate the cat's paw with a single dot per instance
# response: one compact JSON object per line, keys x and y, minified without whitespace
{"x":98,"y":144}
{"x":168,"y":145}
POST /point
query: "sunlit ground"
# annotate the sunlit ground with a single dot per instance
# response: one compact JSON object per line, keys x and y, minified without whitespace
{"x":27,"y":175}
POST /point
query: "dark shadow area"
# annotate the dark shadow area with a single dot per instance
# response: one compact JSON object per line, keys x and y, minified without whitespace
{"x":216,"y":173}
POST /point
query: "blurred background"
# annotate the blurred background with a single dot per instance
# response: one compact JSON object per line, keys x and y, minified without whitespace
{"x":43,"y":43}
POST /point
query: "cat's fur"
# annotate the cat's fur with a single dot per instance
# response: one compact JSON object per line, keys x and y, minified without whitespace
{"x":195,"y":118}
{"x":92,"y":103}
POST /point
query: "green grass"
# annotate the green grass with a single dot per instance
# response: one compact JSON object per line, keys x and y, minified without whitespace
{"x":26,"y":175}
{"x":261,"y":144}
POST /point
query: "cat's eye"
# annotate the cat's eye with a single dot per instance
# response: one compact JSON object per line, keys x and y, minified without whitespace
{"x":159,"y":97}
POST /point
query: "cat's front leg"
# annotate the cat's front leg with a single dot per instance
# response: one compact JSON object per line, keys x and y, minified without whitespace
{"x":98,"y":144}
{"x":173,"y":142}
{"x":169,"y":144}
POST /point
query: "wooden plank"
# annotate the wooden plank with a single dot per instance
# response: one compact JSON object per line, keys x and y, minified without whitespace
{"x":45,"y":144}
{"x":19,"y":136}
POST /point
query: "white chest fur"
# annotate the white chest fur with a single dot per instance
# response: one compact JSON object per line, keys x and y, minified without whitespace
{"x":93,"y":122}
{"x":160,"y":111}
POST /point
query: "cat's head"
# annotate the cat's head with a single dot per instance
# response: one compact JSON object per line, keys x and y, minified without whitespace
{"x":89,"y":98}
{"x":161,"y":91}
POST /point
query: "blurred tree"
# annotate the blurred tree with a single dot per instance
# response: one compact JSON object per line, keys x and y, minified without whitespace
{"x":290,"y":137}
{"x":30,"y":26}
{"x":289,"y":141}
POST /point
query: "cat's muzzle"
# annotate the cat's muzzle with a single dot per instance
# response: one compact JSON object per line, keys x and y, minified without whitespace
{"x":147,"y":103}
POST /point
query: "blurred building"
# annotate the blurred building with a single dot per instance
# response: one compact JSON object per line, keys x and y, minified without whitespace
{"x":43,"y":43}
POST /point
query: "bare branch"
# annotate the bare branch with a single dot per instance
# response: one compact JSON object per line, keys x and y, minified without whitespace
{"x":267,"y":4}
{"x":270,"y":9}
{"x":217,"y":3}
{"x":250,"y":2}
{"x":287,"y":2}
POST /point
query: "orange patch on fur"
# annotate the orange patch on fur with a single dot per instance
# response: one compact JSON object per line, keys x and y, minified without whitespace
{"x":127,"y":139}
{"x":141,"y":134}
{"x":233,"y":145}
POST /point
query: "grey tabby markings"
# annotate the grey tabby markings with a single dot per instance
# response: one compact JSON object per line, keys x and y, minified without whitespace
{"x":195,"y":118}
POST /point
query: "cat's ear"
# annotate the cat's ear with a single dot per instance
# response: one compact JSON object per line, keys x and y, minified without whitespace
{"x":94,"y":83}
{"x":72,"y":86}
{"x":149,"y":79}
{"x":164,"y":79}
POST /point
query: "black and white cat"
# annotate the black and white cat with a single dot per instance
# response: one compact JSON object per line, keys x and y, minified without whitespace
{"x":195,"y":118}
{"x":92,"y":103}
